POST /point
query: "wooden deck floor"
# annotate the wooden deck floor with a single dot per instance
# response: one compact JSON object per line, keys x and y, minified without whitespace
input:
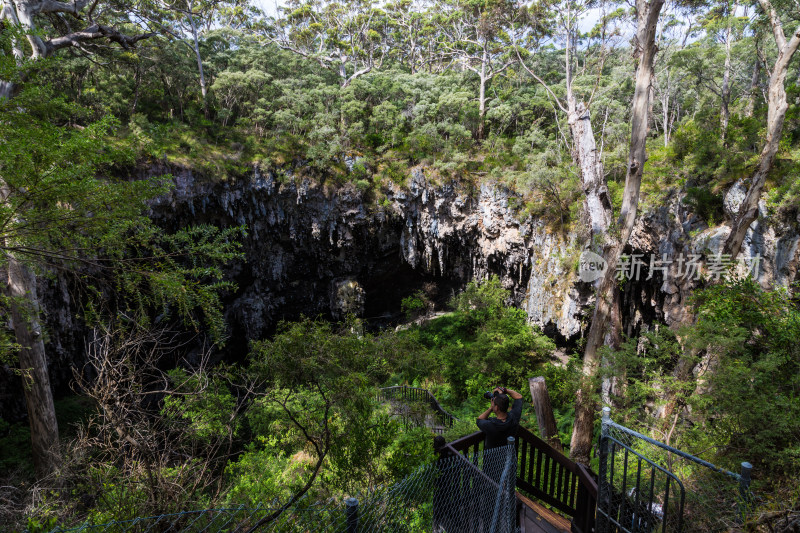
{"x":534,"y":518}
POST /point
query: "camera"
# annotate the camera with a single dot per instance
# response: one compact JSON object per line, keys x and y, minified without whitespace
{"x":489,"y":394}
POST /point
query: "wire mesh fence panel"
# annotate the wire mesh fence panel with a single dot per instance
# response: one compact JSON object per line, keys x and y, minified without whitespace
{"x":475,"y":493}
{"x":647,"y":486}
{"x":325,"y":517}
{"x":455,"y":494}
{"x":417,"y":407}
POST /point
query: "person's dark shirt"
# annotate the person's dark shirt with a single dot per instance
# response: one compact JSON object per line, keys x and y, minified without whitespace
{"x":497,"y":431}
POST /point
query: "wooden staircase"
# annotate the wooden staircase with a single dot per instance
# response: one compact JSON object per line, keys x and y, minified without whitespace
{"x":554,"y":494}
{"x":536,"y":518}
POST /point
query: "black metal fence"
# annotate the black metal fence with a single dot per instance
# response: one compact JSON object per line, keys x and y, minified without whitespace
{"x":647,"y":486}
{"x":417,"y":407}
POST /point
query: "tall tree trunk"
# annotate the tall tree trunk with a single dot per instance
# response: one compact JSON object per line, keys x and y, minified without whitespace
{"x":754,"y":78}
{"x":665,"y":110}
{"x":8,"y":89}
{"x":544,"y":412}
{"x":647,"y":13}
{"x":597,"y":202}
{"x":482,"y":96}
{"x":586,"y":156}
{"x":776,"y":113}
{"x":797,"y":83}
{"x":725,"y":112}
{"x":24,"y":16}
{"x":196,"y":43}
{"x":21,"y":289}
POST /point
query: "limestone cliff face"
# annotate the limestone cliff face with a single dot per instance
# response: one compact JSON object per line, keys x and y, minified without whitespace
{"x":313,"y":249}
{"x":770,"y":252}
{"x":322,"y":250}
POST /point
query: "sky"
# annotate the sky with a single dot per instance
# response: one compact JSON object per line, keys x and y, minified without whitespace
{"x":268,"y":6}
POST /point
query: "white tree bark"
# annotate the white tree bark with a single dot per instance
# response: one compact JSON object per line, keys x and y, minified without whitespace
{"x":606,"y":312}
{"x":21,"y":281}
{"x":777,"y":106}
{"x":20,"y":288}
{"x":585,"y":154}
{"x":725,"y":92}
{"x":196,"y":47}
{"x":24,"y":13}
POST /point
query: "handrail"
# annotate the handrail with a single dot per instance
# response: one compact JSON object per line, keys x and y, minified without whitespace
{"x":460,"y":502}
{"x":547,"y":475}
{"x":588,"y":480}
{"x":418,"y":394}
{"x":559,"y":457}
{"x":471,"y":465}
{"x":467,"y":441}
{"x":586,"y":502}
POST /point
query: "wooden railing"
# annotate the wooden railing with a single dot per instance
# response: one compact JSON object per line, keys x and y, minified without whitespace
{"x":547,"y":475}
{"x":405,"y":395}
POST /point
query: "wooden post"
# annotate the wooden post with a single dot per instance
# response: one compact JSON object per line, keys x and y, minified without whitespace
{"x":544,"y":412}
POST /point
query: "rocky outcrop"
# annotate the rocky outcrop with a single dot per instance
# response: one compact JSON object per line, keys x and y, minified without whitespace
{"x":687,"y":254}
{"x":317,"y":249}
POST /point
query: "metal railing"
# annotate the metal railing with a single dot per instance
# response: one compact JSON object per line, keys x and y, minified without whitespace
{"x":460,"y":505}
{"x":432,"y":416}
{"x":646,"y":485}
{"x":547,"y":475}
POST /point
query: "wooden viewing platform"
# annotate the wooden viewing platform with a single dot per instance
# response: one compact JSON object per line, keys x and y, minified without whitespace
{"x":554,"y":494}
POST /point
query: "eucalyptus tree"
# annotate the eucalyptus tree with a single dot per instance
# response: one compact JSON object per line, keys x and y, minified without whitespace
{"x":726,"y":13}
{"x":605,"y":319}
{"x":711,"y":60}
{"x":757,"y":58}
{"x":410,"y":33}
{"x":347,"y":37}
{"x":27,"y":21}
{"x":561,"y":22}
{"x":669,"y":89}
{"x":780,"y":14}
{"x":60,"y":213}
{"x":188,"y":20}
{"x":576,"y":104}
{"x":184,"y":20}
{"x":51,"y":25}
{"x":473,"y":35}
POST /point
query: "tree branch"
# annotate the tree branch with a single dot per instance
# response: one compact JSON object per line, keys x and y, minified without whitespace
{"x":321,"y":454}
{"x":775,"y":22}
{"x":94,"y":32}
{"x":543,"y":84}
{"x":54,"y":6}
